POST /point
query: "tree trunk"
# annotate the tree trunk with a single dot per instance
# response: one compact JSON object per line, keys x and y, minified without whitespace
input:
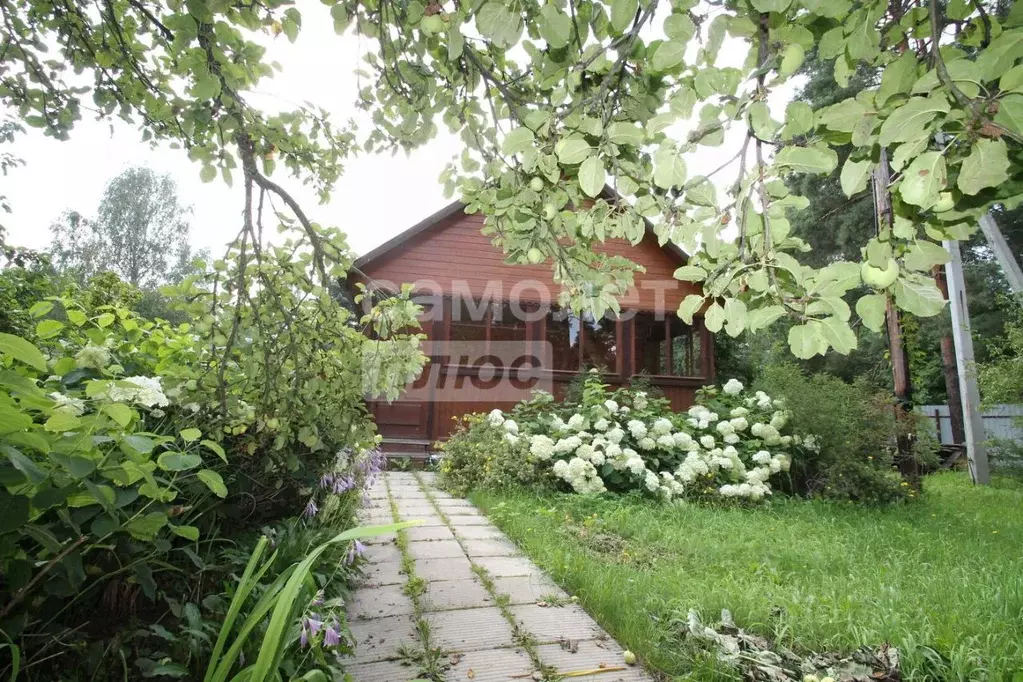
{"x":950,"y":370}
{"x":903,"y":387}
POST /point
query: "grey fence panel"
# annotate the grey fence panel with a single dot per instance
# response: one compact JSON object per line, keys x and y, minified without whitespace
{"x":1000,"y":421}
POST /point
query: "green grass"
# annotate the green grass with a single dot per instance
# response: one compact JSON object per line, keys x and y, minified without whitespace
{"x":942,"y":578}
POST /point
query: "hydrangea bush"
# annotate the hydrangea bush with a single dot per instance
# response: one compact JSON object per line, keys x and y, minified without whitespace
{"x":731,"y":444}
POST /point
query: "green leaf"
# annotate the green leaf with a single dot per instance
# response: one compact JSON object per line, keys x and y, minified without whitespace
{"x":924,"y":255}
{"x":844,"y":116}
{"x":1012,"y":80}
{"x":924,"y":180}
{"x":855,"y":175}
{"x":807,"y":160}
{"x":61,"y":421}
{"x":14,"y":511}
{"x":591,"y":176}
{"x":624,"y":133}
{"x":690,"y":305}
{"x":898,"y":77}
{"x":918,"y":295}
{"x":13,"y":419}
{"x":498,"y":24}
{"x":791,"y":59}
{"x":189,"y":435}
{"x":679,"y":27}
{"x":48,"y":328}
{"x":714,"y":318}
{"x":668,"y":54}
{"x":120,"y":413}
{"x":986,"y":166}
{"x":1010,"y":113}
{"x":761,"y":318}
{"x":79,"y":467}
{"x":187,"y":532}
{"x":22,"y":351}
{"x":622,"y":14}
{"x":178,"y":461}
{"x":105,"y":320}
{"x":770,"y":5}
{"x":832,"y":9}
{"x":207,"y":86}
{"x":807,"y":340}
{"x":735,"y":317}
{"x":572,"y":150}
{"x":40,"y":308}
{"x":518,"y":140}
{"x":555,"y":26}
{"x":798,"y":119}
{"x":839,"y":334}
{"x":910,"y":121}
{"x":33,"y":473}
{"x":691,"y":273}
{"x":213,"y":481}
{"x":77,"y":317}
{"x":215,"y":447}
{"x":669,"y":168}
{"x":208,"y":173}
{"x":146,"y":527}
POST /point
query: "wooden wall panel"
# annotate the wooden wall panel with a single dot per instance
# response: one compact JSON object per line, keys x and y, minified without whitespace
{"x":455,"y":257}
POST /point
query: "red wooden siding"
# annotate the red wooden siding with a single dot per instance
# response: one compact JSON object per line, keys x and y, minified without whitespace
{"x":455,"y":257}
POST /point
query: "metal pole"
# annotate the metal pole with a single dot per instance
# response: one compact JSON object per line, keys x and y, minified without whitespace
{"x":973,"y":422}
{"x":1001,"y":248}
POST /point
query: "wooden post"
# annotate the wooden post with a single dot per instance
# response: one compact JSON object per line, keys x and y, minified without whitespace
{"x":950,"y":370}
{"x":1005,"y":258}
{"x":903,"y":388}
{"x":973,"y":422}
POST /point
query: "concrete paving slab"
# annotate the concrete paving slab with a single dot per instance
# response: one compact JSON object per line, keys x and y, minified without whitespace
{"x":553,"y":623}
{"x":382,"y":671}
{"x":376,"y":554}
{"x":591,"y":655}
{"x":416,"y":510}
{"x":453,"y":503}
{"x":457,"y":568}
{"x":377,"y":602}
{"x":455,"y":594}
{"x":429,"y":533}
{"x":470,"y":629}
{"x":491,"y":665}
{"x":427,"y":519}
{"x":503,"y":567}
{"x":441,"y":549}
{"x":477,"y":532}
{"x":457,"y":514}
{"x":468,"y":520}
{"x":378,"y":639}
{"x":491,"y":547}
{"x":374,"y":517}
{"x":528,"y":589}
{"x":384,"y":573}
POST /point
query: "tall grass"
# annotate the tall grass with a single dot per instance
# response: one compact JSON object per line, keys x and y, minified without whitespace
{"x":942,"y":578}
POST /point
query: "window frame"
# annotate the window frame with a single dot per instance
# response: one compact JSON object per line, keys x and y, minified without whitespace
{"x":696,"y":361}
{"x":618,"y":370}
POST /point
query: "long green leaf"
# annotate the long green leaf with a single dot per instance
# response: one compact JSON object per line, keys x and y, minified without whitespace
{"x":245,"y":586}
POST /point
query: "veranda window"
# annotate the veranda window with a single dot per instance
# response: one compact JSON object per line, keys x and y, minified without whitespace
{"x":667,"y":347}
{"x":582,"y":341}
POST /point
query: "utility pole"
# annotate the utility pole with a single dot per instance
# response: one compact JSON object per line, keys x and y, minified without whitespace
{"x":949,"y":368}
{"x":1010,"y":268}
{"x":973,"y":422}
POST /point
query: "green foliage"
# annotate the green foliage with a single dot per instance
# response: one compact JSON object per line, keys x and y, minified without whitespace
{"x":1001,"y":378}
{"x":478,"y":455}
{"x":815,"y":576}
{"x":855,"y":425}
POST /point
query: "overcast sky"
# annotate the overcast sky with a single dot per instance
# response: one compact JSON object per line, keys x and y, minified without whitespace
{"x":377,"y":197}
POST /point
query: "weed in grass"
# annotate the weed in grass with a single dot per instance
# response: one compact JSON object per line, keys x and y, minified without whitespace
{"x":942,"y":579}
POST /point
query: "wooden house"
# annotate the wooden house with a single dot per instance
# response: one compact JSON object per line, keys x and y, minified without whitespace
{"x":473,"y":299}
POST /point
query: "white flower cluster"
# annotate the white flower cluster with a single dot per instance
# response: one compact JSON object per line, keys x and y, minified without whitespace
{"x":140,"y":390}
{"x":65,"y":403}
{"x":733,"y":451}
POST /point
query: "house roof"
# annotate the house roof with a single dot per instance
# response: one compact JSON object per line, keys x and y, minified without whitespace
{"x":457,"y":207}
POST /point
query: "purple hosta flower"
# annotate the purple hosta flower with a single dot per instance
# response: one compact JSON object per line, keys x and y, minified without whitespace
{"x":303,"y":637}
{"x":327,"y":481}
{"x":355,"y":551}
{"x":314,"y":623}
{"x":343,"y":484}
{"x":318,"y":599}
{"x":332,"y":635}
{"x":310,"y":509}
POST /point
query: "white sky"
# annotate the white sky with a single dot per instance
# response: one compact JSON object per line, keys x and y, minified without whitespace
{"x":377,"y":197}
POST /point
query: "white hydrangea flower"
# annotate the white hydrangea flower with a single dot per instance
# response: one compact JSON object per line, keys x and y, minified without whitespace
{"x":601,"y":424}
{"x":779,"y":419}
{"x":651,"y":481}
{"x":739,"y":412}
{"x":510,"y":426}
{"x":786,"y":440}
{"x":612,"y":450}
{"x":93,"y":357}
{"x":637,"y":428}
{"x":615,"y":435}
{"x":732,"y":438}
{"x":661,"y":426}
{"x":140,"y":390}
{"x":541,"y":447}
{"x":585,"y":452}
{"x":577,"y":422}
{"x":496,"y":417}
{"x":666,"y":441}
{"x":561,"y":468}
{"x":567,"y":445}
{"x":611,"y":406}
{"x":739,"y":424}
{"x":733,"y":387}
{"x":558,"y":424}
{"x":761,"y":457}
{"x":639,"y":401}
{"x":635,"y":464}
{"x":511,"y":438}
{"x":707,"y":441}
{"x":682,"y":439}
{"x":624,"y":410}
{"x":646,"y":443}
{"x":810,"y":442}
{"x":65,"y":403}
{"x":725,"y":428}
{"x":757,"y":429}
{"x":597,"y":457}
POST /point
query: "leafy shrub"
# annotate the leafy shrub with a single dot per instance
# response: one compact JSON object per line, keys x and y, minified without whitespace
{"x":729,"y":445}
{"x":480,"y":455}
{"x":856,"y":428}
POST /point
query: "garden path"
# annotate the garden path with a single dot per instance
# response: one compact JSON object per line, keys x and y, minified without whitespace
{"x":494,"y":616}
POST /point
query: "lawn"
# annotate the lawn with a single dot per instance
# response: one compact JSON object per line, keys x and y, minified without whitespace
{"x":941,"y":578}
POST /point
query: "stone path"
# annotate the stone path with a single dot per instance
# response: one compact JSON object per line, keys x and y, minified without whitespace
{"x":487,"y":612}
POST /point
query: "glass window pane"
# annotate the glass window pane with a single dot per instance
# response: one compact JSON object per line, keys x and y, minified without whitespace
{"x":683,"y":357}
{"x":506,"y":325}
{"x":600,"y":343}
{"x":468,"y":322}
{"x":563,"y":335}
{"x":651,"y":349}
